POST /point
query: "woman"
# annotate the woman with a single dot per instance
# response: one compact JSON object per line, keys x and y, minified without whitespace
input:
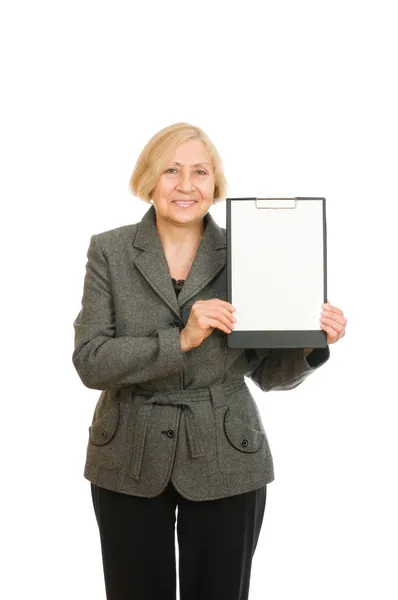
{"x":176,"y":424}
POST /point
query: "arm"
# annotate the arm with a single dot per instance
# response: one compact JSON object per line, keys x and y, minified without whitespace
{"x":285,"y":369}
{"x":105,"y":362}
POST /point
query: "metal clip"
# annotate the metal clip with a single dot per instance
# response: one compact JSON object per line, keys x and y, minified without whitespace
{"x":276,"y":202}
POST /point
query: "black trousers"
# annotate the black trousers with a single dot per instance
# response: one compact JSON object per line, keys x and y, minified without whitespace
{"x":216,"y":544}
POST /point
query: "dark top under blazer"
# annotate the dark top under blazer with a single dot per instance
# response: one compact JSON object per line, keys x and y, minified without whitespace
{"x":162,"y":413}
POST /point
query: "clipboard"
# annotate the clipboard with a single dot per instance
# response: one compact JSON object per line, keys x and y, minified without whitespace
{"x":276,"y":271}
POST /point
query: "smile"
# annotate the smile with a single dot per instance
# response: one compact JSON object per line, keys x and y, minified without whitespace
{"x":184,"y":204}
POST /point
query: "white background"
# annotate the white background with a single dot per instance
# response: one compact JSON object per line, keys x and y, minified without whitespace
{"x":300,"y":99}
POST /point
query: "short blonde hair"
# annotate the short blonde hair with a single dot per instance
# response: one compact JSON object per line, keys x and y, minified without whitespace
{"x":152,"y":158}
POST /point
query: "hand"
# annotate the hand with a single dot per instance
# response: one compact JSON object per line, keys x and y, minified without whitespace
{"x":205,"y":316}
{"x":333,"y":322}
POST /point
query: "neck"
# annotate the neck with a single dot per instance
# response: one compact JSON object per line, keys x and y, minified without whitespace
{"x":176,"y":235}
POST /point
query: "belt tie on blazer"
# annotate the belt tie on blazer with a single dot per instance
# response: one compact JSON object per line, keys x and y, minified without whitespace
{"x":184,"y":398}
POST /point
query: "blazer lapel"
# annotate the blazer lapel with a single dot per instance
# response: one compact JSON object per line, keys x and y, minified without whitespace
{"x":152,"y":263}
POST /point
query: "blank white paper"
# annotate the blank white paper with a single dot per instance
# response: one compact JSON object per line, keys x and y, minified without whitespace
{"x":277,"y":266}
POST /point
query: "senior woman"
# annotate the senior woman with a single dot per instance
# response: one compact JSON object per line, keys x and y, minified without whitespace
{"x":175,"y":424}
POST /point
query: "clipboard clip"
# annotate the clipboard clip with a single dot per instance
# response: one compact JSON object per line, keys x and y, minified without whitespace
{"x":276,"y":202}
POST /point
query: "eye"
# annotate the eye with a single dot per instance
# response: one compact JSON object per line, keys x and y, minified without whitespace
{"x":197,"y":170}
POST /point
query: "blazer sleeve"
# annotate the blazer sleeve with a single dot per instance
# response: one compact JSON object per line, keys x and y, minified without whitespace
{"x":105,"y":362}
{"x":285,"y":369}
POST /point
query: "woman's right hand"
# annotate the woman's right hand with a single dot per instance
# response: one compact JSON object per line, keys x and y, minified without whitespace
{"x":205,"y":316}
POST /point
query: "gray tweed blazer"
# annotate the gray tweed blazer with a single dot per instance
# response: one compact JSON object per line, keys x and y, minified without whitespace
{"x":163,"y":414}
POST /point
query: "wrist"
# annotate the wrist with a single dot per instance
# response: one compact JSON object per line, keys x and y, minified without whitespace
{"x":185,"y":347}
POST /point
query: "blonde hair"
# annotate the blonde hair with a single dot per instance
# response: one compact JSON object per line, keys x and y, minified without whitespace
{"x":152,"y":158}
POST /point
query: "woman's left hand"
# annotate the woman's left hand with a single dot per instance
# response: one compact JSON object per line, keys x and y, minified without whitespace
{"x":333,"y":322}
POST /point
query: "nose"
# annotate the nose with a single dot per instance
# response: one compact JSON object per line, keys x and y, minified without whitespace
{"x":185,"y":183}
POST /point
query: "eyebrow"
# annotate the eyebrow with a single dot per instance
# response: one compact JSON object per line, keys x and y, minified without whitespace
{"x":195,"y":165}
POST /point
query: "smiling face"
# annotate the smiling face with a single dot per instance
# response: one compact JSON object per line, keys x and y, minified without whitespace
{"x":186,"y":176}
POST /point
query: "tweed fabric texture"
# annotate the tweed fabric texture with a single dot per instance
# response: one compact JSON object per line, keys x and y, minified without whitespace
{"x":162,"y":413}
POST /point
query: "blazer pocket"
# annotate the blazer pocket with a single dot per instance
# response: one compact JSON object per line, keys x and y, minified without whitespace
{"x":240,"y":434}
{"x":106,"y":444}
{"x":240,"y":446}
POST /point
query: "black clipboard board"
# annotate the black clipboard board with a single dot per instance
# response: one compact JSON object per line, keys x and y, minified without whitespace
{"x":276,"y":271}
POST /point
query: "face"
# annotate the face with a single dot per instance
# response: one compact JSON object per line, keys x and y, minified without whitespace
{"x":188,"y":176}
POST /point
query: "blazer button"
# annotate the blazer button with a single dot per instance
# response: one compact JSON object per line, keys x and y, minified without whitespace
{"x":170,"y":433}
{"x":177,"y":324}
{"x":244,"y":442}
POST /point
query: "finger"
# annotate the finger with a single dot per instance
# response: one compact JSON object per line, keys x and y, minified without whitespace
{"x":228,"y":305}
{"x":333,"y":336}
{"x":216,"y":302}
{"x":222,"y":315}
{"x":225,"y":316}
{"x":339,"y":327}
{"x":330,"y":308}
{"x":215,"y":323}
{"x":334,"y":316}
{"x":229,"y":314}
{"x":219,"y":312}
